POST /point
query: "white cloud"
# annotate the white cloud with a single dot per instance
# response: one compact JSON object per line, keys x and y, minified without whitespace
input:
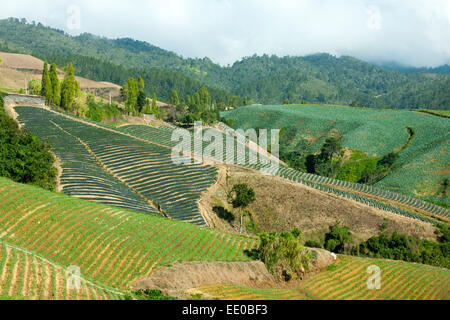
{"x":415,"y":32}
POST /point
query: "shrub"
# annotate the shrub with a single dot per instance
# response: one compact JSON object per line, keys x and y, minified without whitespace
{"x":337,"y":238}
{"x":313,"y":244}
{"x":23,"y":158}
{"x":148,"y":294}
{"x":284,"y":255}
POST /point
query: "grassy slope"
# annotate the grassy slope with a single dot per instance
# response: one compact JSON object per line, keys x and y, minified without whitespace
{"x":375,"y":132}
{"x":112,"y":247}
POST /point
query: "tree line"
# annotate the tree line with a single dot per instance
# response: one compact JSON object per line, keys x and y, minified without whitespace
{"x":54,"y":91}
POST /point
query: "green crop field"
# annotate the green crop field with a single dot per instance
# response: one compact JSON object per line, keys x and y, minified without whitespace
{"x":25,"y":275}
{"x":112,"y":168}
{"x":42,"y":234}
{"x":374,"y":132}
{"x":111,"y":246}
{"x":347,"y":280}
{"x":354,"y":191}
{"x":131,"y":168}
{"x":398,"y":281}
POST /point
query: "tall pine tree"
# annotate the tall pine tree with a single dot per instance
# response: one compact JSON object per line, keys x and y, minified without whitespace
{"x":174,"y":98}
{"x":131,"y":93}
{"x":56,"y":86}
{"x":46,"y":85}
{"x":69,"y":88}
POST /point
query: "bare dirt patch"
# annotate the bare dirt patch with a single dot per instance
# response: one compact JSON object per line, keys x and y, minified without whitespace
{"x":183,"y":276}
{"x":282,"y":205}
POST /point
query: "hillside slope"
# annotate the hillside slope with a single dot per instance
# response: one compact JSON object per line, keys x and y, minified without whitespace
{"x":104,"y":165}
{"x":42,"y":234}
{"x":111,"y":246}
{"x":422,"y":165}
{"x":15,"y":68}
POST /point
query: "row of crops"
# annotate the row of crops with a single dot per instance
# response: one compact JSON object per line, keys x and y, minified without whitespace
{"x":329,"y":185}
{"x":110,"y":245}
{"x":27,"y":276}
{"x":43,"y":233}
{"x":323,"y":183}
{"x":102,"y":165}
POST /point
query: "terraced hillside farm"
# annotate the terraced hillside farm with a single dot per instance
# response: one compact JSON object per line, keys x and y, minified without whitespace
{"x":347,"y":280}
{"x":379,"y":198}
{"x":112,"y":247}
{"x":42,"y":234}
{"x":423,"y":163}
{"x":103,"y":165}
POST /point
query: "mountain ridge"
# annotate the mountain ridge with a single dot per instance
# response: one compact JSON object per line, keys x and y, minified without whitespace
{"x":319,"y":78}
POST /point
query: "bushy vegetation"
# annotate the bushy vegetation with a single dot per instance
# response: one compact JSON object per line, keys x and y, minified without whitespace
{"x":408,"y":248}
{"x":148,"y":294}
{"x":241,"y":196}
{"x":198,"y":107}
{"x":23,"y":158}
{"x":284,"y":255}
{"x":393,"y":246}
{"x":338,"y":239}
{"x":58,"y":93}
{"x":98,"y":112}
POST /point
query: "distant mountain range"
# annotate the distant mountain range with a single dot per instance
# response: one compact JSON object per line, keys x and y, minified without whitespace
{"x":320,"y":78}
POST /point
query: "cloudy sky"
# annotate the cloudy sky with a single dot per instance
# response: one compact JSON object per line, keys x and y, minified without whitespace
{"x":413,"y":32}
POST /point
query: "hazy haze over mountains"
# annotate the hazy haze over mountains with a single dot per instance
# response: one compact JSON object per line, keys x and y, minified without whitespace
{"x":411,"y":32}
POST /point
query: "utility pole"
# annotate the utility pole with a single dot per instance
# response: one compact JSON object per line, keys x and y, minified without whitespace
{"x":26,"y":86}
{"x":109,"y":97}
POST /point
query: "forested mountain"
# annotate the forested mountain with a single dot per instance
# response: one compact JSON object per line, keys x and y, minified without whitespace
{"x":320,"y":78}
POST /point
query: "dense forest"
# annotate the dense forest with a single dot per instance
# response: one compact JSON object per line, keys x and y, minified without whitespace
{"x":319,"y":78}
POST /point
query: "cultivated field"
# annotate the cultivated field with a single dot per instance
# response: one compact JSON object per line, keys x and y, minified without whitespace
{"x":111,"y":246}
{"x":102,"y":165}
{"x":423,"y":163}
{"x":376,"y":197}
{"x":347,"y":280}
{"x":43,"y":233}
